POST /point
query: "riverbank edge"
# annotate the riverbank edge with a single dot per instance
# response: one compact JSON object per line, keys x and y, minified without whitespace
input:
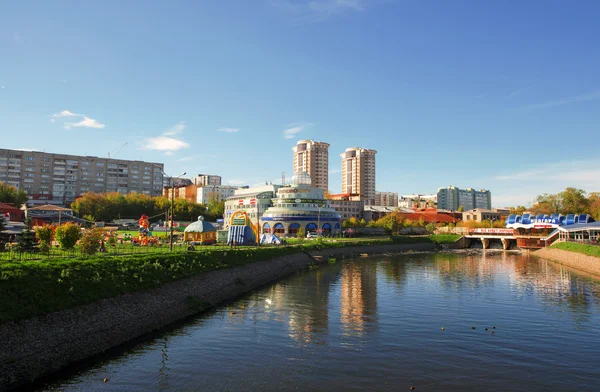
{"x":42,"y":345}
{"x":575,"y":260}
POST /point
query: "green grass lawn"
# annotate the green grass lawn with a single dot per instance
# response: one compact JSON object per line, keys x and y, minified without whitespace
{"x":590,"y":250}
{"x":41,"y":284}
{"x":444,"y":238}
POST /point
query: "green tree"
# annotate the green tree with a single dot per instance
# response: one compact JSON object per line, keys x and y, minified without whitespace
{"x":10,"y":194}
{"x":215,"y":209}
{"x":300,"y":233}
{"x":90,"y":241}
{"x":44,"y":235}
{"x":67,"y":235}
{"x":574,"y":201}
{"x":518,"y":210}
{"x":26,"y":241}
{"x":461,"y":209}
{"x":363,"y":223}
{"x":546,"y":204}
{"x":594,"y":199}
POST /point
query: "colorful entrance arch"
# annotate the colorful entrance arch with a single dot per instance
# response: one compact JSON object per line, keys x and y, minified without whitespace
{"x":266,"y":228}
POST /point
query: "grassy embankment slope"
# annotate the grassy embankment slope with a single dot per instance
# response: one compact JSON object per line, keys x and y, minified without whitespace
{"x":589,"y":250}
{"x":32,"y":288}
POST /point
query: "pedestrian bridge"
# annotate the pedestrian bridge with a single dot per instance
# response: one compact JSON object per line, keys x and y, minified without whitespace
{"x":505,"y":239}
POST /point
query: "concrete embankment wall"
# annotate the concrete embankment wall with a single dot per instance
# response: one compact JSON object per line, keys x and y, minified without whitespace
{"x":42,"y":345}
{"x":578,"y":261}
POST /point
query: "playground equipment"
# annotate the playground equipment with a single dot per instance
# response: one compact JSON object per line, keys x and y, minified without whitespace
{"x":143,"y":238}
{"x":241,"y":230}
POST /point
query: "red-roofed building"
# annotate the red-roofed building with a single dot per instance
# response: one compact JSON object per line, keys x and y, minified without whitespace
{"x":11,"y":212}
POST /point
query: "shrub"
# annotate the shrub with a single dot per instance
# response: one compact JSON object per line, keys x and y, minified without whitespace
{"x":45,"y":234}
{"x":67,"y":235}
{"x":90,"y":241}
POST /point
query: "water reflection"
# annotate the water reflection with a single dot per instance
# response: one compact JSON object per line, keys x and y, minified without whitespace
{"x":350,"y":326}
{"x":358,"y":300}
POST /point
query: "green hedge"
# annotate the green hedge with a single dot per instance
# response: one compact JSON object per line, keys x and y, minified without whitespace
{"x":31,"y":288}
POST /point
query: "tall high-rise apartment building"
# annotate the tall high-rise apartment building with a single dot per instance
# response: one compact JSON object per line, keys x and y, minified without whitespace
{"x":358,"y":173}
{"x":452,"y":198}
{"x":313,"y":157}
{"x":60,"y":178}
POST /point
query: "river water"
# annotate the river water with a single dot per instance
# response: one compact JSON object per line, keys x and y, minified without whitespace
{"x":385,"y":324}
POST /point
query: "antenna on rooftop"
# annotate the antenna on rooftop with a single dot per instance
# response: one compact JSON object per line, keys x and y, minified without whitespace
{"x":118,"y":150}
{"x":282,"y":178}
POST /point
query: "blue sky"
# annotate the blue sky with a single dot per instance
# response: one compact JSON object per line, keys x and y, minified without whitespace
{"x":500,"y":95}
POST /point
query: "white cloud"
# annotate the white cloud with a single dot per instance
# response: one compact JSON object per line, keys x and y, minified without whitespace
{"x":229,"y":130}
{"x":164,"y":143}
{"x":237,"y":182}
{"x":518,"y":91}
{"x":319,"y":10}
{"x":175,"y":129}
{"x":521,"y":187}
{"x":334,"y":171}
{"x":169,"y":153}
{"x":295,"y":128}
{"x":64,"y":113}
{"x":85,"y":123}
{"x":186,"y":159}
{"x":565,"y":101}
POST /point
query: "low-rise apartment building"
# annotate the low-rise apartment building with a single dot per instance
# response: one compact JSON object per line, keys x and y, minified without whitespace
{"x":49,"y":178}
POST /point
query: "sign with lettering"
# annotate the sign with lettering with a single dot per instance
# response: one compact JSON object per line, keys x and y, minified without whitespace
{"x":294,"y":190}
{"x":492,"y":231}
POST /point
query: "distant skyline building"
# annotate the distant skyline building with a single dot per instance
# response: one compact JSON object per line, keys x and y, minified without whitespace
{"x":313,"y":158}
{"x":452,"y":198}
{"x":206,"y":179}
{"x":358,"y":173}
{"x":49,"y":178}
{"x":207,"y":193}
{"x":386,"y":199}
{"x":418,"y":200}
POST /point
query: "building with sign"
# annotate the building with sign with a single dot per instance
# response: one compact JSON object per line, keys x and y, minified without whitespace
{"x":300,"y":206}
{"x":254,"y":201}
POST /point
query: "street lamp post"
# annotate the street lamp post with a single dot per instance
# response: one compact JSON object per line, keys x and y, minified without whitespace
{"x":319,"y":220}
{"x":172,"y":202}
{"x":172,"y":209}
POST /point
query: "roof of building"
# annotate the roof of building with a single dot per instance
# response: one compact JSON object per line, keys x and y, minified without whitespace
{"x":580,"y":227}
{"x":6,"y":206}
{"x":485,"y":210}
{"x":200,"y":226}
{"x":49,"y":207}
